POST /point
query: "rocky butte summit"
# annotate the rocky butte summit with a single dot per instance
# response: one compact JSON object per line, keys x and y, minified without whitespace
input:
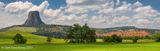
{"x":33,"y":20}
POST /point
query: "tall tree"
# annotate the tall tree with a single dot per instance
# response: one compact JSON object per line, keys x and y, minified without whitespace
{"x":81,"y":34}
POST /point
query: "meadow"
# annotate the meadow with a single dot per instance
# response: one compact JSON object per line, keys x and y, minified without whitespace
{"x":144,"y":45}
{"x":38,"y":43}
{"x":59,"y":45}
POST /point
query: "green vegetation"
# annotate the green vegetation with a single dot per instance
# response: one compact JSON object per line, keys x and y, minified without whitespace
{"x":117,"y":38}
{"x":60,"y":45}
{"x":113,"y":38}
{"x":49,"y":39}
{"x":19,"y":39}
{"x":23,"y":29}
{"x":142,"y":45}
{"x":108,"y":39}
{"x":135,"y":39}
{"x":6,"y":37}
{"x":78,"y":34}
{"x":157,"y":37}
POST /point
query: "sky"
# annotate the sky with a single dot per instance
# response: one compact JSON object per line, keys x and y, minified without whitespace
{"x":96,"y":13}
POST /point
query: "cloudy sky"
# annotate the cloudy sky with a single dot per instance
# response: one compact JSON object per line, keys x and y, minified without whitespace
{"x":96,"y":13}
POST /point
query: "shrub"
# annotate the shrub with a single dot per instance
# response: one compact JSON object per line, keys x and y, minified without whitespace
{"x":147,"y":37}
{"x":108,"y":39}
{"x":19,"y":39}
{"x":135,"y":39}
{"x":157,"y":37}
{"x":117,"y":38}
{"x":49,"y":39}
{"x":113,"y":38}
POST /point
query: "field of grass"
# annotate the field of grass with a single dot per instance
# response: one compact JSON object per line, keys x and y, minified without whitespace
{"x":38,"y":43}
{"x":60,"y":45}
{"x":6,"y":37}
{"x":84,"y":47}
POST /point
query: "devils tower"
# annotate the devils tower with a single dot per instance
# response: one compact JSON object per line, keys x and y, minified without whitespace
{"x":33,"y":19}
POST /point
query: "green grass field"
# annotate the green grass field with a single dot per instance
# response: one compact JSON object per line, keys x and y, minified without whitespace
{"x":83,"y":47}
{"x":38,"y":43}
{"x":60,"y":45}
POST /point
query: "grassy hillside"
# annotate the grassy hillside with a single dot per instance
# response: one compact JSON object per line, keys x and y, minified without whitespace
{"x":6,"y":37}
{"x":6,"y":34}
{"x":125,"y":28}
{"x":23,"y":29}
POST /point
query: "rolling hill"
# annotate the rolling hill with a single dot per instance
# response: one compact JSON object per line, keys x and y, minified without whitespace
{"x":125,"y":28}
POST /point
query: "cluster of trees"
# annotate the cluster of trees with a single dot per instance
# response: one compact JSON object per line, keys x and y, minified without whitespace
{"x":135,"y":39}
{"x":157,"y":37}
{"x":113,"y":38}
{"x":81,"y":34}
{"x":118,"y":39}
{"x":85,"y":34}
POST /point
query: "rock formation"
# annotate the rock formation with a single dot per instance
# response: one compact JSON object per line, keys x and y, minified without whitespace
{"x":34,"y":19}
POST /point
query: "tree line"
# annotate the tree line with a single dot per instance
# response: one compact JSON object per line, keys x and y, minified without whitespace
{"x":81,"y":34}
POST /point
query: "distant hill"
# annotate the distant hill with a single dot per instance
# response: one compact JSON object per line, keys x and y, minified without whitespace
{"x":61,"y":30}
{"x":125,"y":28}
{"x":46,"y":30}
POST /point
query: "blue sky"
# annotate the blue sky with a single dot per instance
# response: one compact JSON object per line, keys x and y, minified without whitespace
{"x":58,"y":3}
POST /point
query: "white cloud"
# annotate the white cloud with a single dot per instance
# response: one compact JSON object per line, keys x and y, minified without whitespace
{"x":44,"y":5}
{"x":18,"y":6}
{"x":142,"y":21}
{"x":121,"y":19}
{"x":106,"y":13}
{"x":137,"y":4}
{"x":2,"y":4}
{"x":70,"y":2}
{"x":86,"y":2}
{"x":97,"y":13}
